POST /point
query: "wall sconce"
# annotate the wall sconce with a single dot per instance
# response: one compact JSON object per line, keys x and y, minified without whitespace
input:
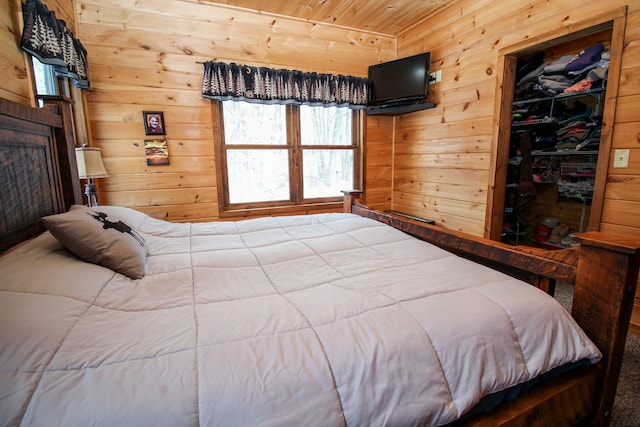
{"x":90,"y":166}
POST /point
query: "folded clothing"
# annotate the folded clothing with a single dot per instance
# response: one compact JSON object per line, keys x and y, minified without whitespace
{"x":569,"y":73}
{"x":559,"y":65}
{"x":581,"y":86}
{"x":586,"y":57}
{"x":581,"y":190}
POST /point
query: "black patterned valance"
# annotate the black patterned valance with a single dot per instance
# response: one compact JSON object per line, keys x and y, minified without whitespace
{"x":267,"y":85}
{"x":49,"y":40}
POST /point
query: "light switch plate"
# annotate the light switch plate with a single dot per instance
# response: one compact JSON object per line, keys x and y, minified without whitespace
{"x":621,"y":158}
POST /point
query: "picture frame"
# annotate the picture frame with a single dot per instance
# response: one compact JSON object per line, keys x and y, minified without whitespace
{"x":153,"y":122}
{"x":156,"y":152}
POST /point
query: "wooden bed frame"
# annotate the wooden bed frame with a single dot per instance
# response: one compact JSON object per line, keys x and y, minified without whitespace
{"x":604,"y":271}
{"x":38,"y":178}
{"x":38,"y":169}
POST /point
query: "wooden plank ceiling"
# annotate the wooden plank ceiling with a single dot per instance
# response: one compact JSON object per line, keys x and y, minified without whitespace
{"x":380,"y":16}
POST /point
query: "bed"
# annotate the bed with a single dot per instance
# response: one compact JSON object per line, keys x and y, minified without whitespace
{"x":360,"y":318}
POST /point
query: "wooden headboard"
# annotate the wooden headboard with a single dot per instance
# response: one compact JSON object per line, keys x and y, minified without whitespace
{"x":34,"y":148}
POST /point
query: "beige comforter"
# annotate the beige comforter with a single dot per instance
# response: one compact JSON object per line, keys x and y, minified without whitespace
{"x":319,"y":320}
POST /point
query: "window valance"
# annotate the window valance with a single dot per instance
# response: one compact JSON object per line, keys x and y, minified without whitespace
{"x":49,"y":40}
{"x":267,"y":85}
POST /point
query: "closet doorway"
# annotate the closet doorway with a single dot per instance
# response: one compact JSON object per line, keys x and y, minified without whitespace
{"x":518,"y":205}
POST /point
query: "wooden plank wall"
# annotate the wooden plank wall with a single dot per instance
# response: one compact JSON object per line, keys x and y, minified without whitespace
{"x":452,"y":143}
{"x":13,"y":73}
{"x":442,"y":156}
{"x":378,"y":162}
{"x":143,"y":56}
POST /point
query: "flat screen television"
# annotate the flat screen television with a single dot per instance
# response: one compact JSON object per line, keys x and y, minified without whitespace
{"x":402,"y":81}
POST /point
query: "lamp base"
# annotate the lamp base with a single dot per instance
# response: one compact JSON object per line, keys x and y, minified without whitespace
{"x":91,"y":191}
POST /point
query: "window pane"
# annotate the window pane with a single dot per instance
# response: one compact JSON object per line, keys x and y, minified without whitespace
{"x":45,"y":78}
{"x":325,"y":125}
{"x":327,"y":172}
{"x":258,"y":175}
{"x":246,"y":123}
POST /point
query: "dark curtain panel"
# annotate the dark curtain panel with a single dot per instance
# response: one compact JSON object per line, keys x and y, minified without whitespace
{"x":267,"y":85}
{"x":49,"y":40}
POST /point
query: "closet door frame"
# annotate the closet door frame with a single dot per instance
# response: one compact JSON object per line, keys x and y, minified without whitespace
{"x":615,"y":21}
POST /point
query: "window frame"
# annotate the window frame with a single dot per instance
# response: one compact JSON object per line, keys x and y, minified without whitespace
{"x":295,"y":152}
{"x":59,"y":85}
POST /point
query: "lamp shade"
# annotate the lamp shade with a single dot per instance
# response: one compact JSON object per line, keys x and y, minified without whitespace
{"x":90,"y":163}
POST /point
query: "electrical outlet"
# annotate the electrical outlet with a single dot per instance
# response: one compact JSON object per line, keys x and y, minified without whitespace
{"x":435,"y":77}
{"x":621,"y":158}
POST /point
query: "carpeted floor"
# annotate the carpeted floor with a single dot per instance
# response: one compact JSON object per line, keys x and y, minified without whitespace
{"x":626,"y":409}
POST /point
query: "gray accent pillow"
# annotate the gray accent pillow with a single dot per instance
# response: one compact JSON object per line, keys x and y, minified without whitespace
{"x":100,"y":238}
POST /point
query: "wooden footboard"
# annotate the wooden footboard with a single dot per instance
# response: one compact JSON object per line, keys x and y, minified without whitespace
{"x":604,"y":271}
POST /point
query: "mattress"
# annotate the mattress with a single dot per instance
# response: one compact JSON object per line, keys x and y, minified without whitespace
{"x":327,"y":320}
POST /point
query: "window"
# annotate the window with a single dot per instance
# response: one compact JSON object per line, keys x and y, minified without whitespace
{"x":46,"y":81}
{"x":51,"y":87}
{"x":279,"y":155}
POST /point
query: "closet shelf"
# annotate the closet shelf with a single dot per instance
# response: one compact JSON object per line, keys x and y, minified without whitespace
{"x":560,"y":96}
{"x":564,"y":153}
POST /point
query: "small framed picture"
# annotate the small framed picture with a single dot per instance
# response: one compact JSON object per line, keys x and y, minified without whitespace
{"x":156,"y":151}
{"x":153,"y":122}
